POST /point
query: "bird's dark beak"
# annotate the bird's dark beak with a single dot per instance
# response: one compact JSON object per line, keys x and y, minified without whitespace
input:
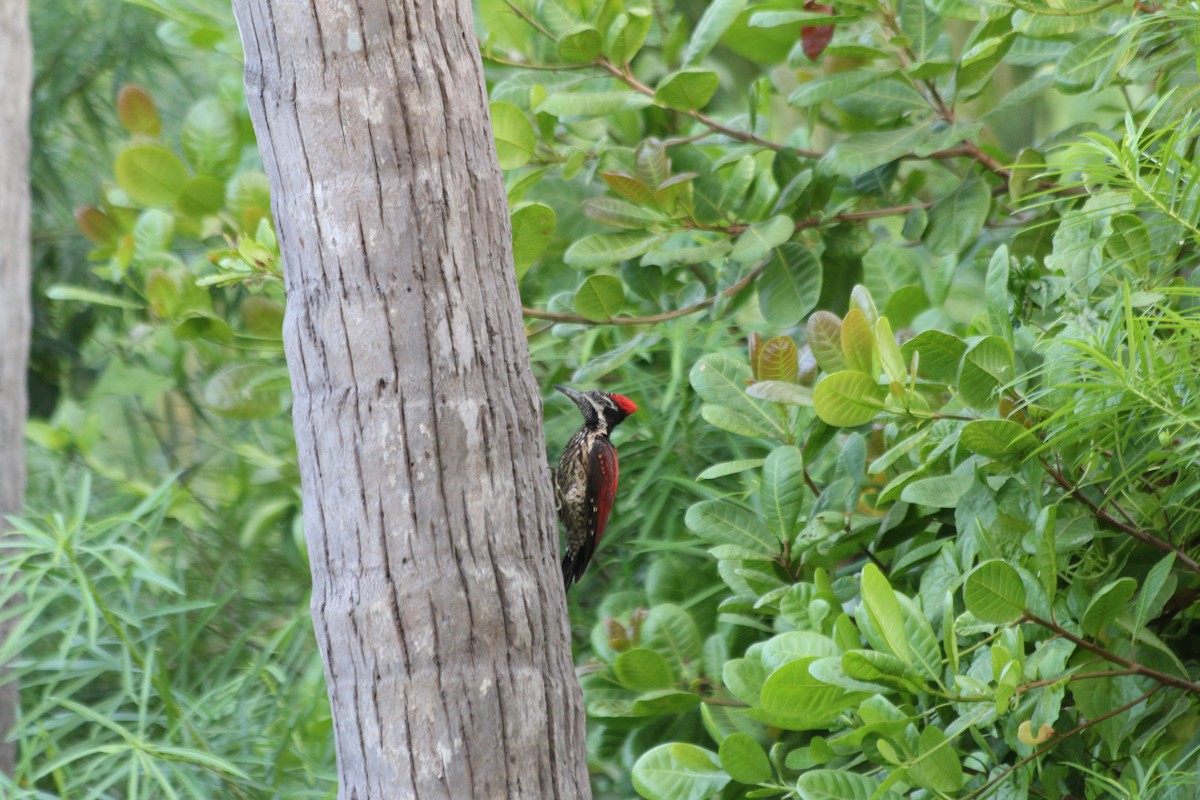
{"x":576,"y":397}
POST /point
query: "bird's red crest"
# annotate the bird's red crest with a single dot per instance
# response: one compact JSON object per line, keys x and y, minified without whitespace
{"x":624,"y":403}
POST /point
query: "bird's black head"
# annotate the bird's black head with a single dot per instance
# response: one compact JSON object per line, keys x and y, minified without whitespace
{"x":601,"y":411}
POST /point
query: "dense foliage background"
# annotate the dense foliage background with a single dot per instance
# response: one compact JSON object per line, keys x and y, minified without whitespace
{"x":905,"y":292}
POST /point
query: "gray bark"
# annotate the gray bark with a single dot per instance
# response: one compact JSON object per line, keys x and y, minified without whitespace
{"x":16,"y":67}
{"x":427,"y":502}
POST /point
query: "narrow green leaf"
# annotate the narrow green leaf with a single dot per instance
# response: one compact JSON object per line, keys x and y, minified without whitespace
{"x":938,"y":767}
{"x":858,"y":342}
{"x":996,"y":293}
{"x":881,"y":604}
{"x":81,"y":295}
{"x":717,"y":18}
{"x":593,"y":104}
{"x":603,"y":249}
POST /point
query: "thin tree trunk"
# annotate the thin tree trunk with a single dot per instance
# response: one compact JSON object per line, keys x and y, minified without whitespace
{"x":427,"y":501}
{"x":16,"y":67}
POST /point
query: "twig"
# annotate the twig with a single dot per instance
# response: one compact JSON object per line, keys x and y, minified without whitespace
{"x":1059,"y":739}
{"x":1107,"y":655}
{"x":1180,"y":555}
{"x":557,"y":316}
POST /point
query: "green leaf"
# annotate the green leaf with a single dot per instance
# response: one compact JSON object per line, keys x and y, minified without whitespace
{"x":744,"y":760}
{"x":939,"y":354}
{"x":211,"y":138}
{"x":847,"y":399}
{"x":580,"y":46}
{"x":662,"y":702}
{"x":627,"y":34}
{"x":835,"y":784}
{"x":996,"y":292}
{"x":880,"y":602}
{"x":612,"y":360}
{"x":516,"y":142}
{"x":1106,"y":604}
{"x":986,"y":367}
{"x":671,"y":631}
{"x":889,"y":352}
{"x":248,"y":391}
{"x":721,"y":379}
{"x":721,"y":523}
{"x":937,"y":767}
{"x":956,"y":220}
{"x":824,"y":332}
{"x":858,"y":342}
{"x":790,"y":285}
{"x":997,"y":438}
{"x":1086,"y":63}
{"x":678,"y":772}
{"x":202,"y":196}
{"x":599,"y":298}
{"x":151,"y":175}
{"x":760,"y":238}
{"x":154,"y":232}
{"x":781,"y":495}
{"x":829,"y":87}
{"x":603,"y":249}
{"x":81,"y":295}
{"x":642,"y":670}
{"x":994,"y":593}
{"x":700,"y":253}
{"x":861,"y":152}
{"x":593,"y":104}
{"x":729,"y":468}
{"x":620,"y":213}
{"x":791,"y":394}
{"x":136,"y":111}
{"x":777,"y":360}
{"x":505,"y":25}
{"x":920,"y":25}
{"x":1156,"y":589}
{"x":944,"y":491}
{"x":532,"y":228}
{"x":717,"y":18}
{"x":688,"y":89}
{"x":794,"y":700}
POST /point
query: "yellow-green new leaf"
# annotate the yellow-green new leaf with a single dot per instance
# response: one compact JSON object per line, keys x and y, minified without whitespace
{"x":848,"y":398}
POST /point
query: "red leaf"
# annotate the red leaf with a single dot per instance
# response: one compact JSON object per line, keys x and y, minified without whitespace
{"x":814,"y":40}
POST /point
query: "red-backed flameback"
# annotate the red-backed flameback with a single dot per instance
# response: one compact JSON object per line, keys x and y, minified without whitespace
{"x":586,"y":480}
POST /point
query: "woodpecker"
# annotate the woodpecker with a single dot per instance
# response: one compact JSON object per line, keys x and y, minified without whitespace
{"x":586,"y":480}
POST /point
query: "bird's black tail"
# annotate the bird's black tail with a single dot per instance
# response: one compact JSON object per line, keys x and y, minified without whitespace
{"x":574,"y":564}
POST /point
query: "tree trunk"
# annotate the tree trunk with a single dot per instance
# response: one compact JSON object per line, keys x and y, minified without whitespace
{"x":16,"y":65}
{"x":427,"y":502}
